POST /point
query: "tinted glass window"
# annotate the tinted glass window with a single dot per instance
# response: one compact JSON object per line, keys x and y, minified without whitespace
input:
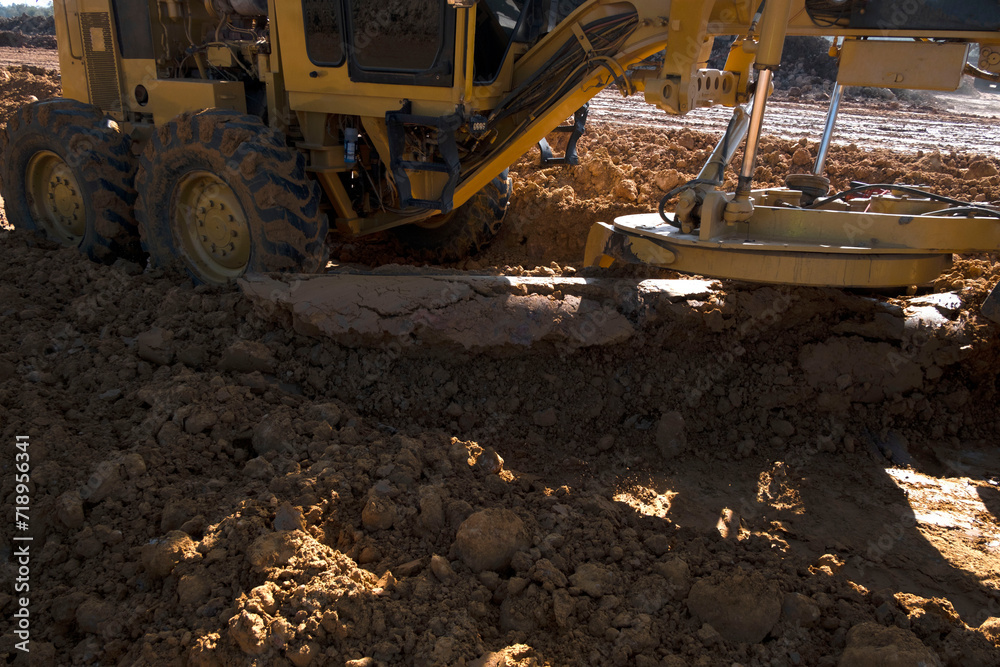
{"x":324,"y":42}
{"x":396,"y":34}
{"x":507,"y":12}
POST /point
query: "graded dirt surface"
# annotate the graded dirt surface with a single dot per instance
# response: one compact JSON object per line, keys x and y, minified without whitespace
{"x":752,"y":476}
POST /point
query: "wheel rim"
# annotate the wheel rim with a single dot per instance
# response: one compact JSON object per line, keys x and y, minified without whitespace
{"x":212,"y":227}
{"x":55,"y":198}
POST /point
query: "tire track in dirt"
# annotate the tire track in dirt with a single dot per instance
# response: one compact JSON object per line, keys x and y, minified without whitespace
{"x":905,"y":130}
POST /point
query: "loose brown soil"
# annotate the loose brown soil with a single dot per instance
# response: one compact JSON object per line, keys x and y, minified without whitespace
{"x":769,"y":477}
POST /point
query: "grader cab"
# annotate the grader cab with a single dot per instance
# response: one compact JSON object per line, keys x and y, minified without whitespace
{"x":229,"y":135}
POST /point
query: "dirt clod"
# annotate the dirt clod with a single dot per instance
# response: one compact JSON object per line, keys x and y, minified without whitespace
{"x":741,"y":607}
{"x":489,"y":539}
{"x":871,"y":645}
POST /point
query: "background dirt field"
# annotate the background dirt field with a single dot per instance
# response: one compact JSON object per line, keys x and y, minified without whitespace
{"x":756,"y":476}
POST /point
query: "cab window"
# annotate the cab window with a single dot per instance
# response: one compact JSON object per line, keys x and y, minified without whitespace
{"x":324,"y":39}
{"x":398,"y":35}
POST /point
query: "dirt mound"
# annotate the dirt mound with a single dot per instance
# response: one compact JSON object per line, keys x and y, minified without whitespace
{"x":35,"y":32}
{"x":256,"y":494}
{"x":19,"y":40}
{"x":21,"y":84}
{"x":29,"y":25}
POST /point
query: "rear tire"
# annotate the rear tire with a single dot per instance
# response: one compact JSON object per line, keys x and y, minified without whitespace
{"x":68,"y":174}
{"x":463,"y":232}
{"x":223,"y":194}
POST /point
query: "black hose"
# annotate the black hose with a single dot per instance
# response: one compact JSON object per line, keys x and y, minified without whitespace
{"x":962,"y":210}
{"x":897,"y":188}
{"x":676,"y":191}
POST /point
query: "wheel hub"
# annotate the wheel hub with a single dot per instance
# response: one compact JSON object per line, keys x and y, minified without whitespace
{"x":212,"y":227}
{"x":55,"y":198}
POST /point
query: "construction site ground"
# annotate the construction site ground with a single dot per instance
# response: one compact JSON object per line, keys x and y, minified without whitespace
{"x":529,"y":469}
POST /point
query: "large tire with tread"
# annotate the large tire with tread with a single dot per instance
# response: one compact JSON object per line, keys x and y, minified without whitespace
{"x":68,"y":173}
{"x":223,"y":194}
{"x":463,"y":232}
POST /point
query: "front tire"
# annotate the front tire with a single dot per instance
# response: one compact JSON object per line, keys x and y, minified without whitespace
{"x":68,"y":174}
{"x":223,"y":194}
{"x":463,"y":232}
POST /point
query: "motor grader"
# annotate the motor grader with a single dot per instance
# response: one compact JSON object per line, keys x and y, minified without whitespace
{"x":229,"y":135}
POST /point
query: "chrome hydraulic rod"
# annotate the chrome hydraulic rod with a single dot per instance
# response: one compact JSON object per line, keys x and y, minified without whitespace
{"x":831,"y":122}
{"x":774,"y":23}
{"x":745,"y":183}
{"x":715,"y":167}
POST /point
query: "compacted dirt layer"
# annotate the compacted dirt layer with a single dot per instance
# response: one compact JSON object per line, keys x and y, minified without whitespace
{"x":770,"y":476}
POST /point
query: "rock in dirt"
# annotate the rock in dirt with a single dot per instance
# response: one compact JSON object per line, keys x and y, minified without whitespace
{"x":469,"y":312}
{"x":545,"y":418}
{"x":272,"y":549}
{"x":246,"y":356}
{"x":193,"y":589}
{"x":288,"y":518}
{"x":259,"y":468}
{"x":929,"y":617}
{"x":489,"y":462}
{"x":432,"y":517}
{"x":94,"y":616}
{"x":160,"y":556}
{"x":626,"y":190}
{"x":518,"y":655}
{"x":442,"y":569}
{"x":103,"y":482}
{"x":949,"y":303}
{"x":650,"y":593}
{"x":134,"y":465}
{"x":741,"y":607}
{"x":250,"y":632}
{"x":593,"y":579}
{"x":548,"y":575}
{"x":708,"y":636}
{"x":69,"y":509}
{"x":671,"y":436}
{"x":175,"y":514}
{"x":272,"y":433}
{"x":802,"y":158}
{"x":304,"y":655}
{"x":200,"y":421}
{"x":488,"y":539}
{"x":799,"y":609}
{"x":328,"y":412}
{"x":991,"y":305}
{"x":379,"y":513}
{"x":980,"y":169}
{"x":156,"y":346}
{"x":873,"y":645}
{"x":525,"y":612}
{"x":991,"y":629}
{"x":677,"y":573}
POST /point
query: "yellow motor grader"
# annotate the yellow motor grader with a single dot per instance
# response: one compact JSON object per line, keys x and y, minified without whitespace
{"x":230,"y":134}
